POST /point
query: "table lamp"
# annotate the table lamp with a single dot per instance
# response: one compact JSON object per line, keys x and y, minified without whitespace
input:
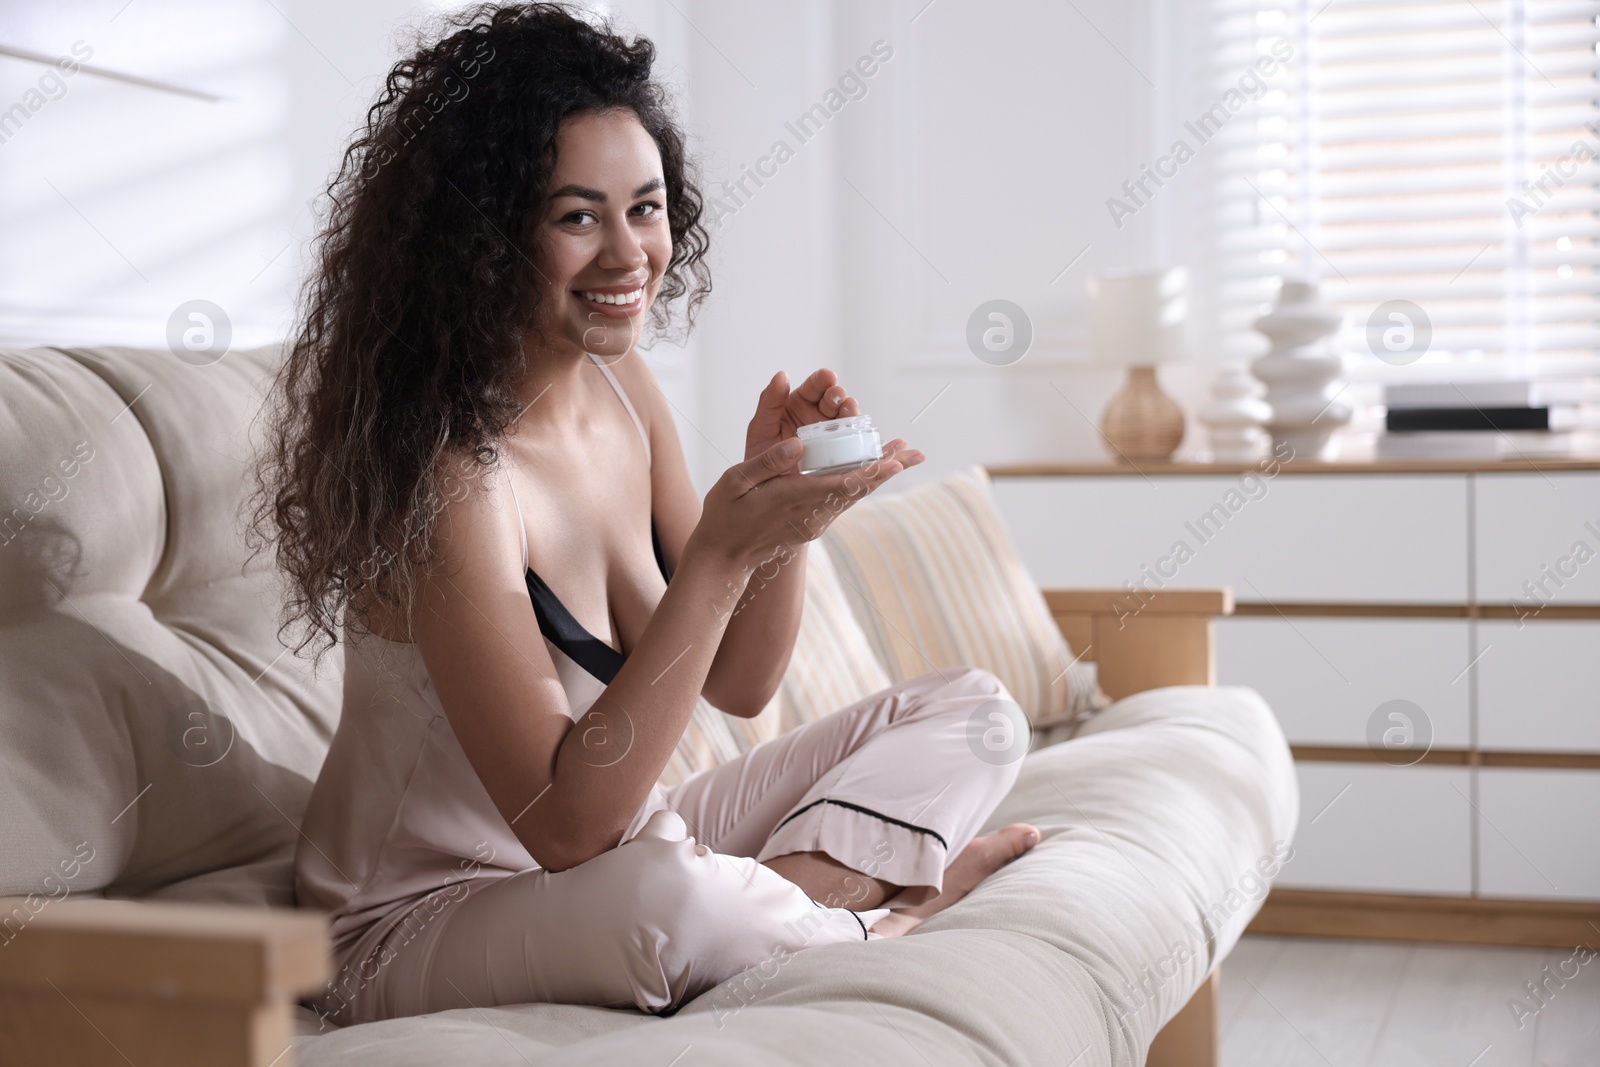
{"x":1137,"y":320}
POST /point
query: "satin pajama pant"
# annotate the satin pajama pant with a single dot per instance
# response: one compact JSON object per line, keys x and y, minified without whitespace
{"x":892,"y":787}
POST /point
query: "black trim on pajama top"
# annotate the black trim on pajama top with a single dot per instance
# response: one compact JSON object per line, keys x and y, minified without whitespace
{"x":568,"y":634}
{"x":867,"y":811}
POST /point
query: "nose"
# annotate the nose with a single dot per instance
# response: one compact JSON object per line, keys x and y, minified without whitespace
{"x":621,"y":248}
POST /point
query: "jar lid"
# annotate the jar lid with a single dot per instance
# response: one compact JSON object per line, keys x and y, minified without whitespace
{"x":850,"y":424}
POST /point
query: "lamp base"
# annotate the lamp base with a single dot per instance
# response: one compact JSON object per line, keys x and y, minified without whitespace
{"x":1142,"y":422}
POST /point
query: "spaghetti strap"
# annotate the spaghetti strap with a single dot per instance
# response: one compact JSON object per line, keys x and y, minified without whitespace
{"x":521,"y":526}
{"x":623,"y":396}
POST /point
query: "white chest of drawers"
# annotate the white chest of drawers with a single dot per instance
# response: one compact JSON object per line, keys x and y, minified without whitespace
{"x":1464,"y":598}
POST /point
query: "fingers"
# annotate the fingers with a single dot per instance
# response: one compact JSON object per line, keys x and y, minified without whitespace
{"x":784,"y":457}
{"x":771,"y":405}
{"x":804,"y":506}
{"x":816,"y":384}
{"x":896,"y":457}
{"x":822,"y":391}
{"x":863,"y":480}
{"x":836,"y":403}
{"x":908,"y":457}
{"x":878,"y":473}
{"x":773,"y":399}
{"x":776,"y":391}
{"x":779,"y":459}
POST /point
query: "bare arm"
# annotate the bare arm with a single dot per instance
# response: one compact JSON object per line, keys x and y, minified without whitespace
{"x":753,"y":654}
{"x":760,"y":638}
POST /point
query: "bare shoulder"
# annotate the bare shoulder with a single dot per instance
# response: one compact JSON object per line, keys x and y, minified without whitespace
{"x":644,"y":390}
{"x":475,"y":542}
{"x":670,"y":470}
{"x":675,"y":502}
{"x":476,"y":522}
{"x":478,"y":530}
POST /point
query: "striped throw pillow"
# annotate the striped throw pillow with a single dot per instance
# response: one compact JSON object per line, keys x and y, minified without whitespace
{"x":935,"y":582}
{"x":832,"y":667}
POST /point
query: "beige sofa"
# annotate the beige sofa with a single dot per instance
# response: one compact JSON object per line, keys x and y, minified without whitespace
{"x":157,"y":744}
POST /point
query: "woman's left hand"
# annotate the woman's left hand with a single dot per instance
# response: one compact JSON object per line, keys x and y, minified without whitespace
{"x":780,"y":411}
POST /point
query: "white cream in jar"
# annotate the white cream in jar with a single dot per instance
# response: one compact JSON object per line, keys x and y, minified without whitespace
{"x":839,"y":445}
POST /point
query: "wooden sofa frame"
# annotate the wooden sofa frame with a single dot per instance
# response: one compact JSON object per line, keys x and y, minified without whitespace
{"x":1146,"y":640}
{"x":115,"y":982}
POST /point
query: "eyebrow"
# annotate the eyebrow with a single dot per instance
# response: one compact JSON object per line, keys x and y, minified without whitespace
{"x":583,"y":192}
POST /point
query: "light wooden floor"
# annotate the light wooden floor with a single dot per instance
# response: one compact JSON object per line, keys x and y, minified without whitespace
{"x":1296,"y":1002}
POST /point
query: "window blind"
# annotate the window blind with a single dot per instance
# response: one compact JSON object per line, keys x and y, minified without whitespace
{"x":1441,"y":153}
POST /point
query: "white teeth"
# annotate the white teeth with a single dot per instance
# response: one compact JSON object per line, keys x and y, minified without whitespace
{"x":614,"y":298}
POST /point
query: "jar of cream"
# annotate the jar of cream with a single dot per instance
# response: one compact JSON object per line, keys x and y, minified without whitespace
{"x":839,"y":445}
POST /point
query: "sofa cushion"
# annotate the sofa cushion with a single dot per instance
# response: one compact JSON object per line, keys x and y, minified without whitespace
{"x":1162,"y":825}
{"x":935,"y":582}
{"x":150,"y":720}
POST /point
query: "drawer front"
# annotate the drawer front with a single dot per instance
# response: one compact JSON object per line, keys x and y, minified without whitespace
{"x":1539,"y":686}
{"x":1365,"y":827}
{"x":1528,"y":531}
{"x":1536,"y":833}
{"x":1329,"y":680}
{"x":1306,"y":538}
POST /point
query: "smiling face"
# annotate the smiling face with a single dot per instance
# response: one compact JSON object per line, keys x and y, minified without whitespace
{"x":604,"y":242}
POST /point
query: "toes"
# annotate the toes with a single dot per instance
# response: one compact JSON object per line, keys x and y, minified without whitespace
{"x":1017,"y":838}
{"x":989,"y":853}
{"x":896,"y":924}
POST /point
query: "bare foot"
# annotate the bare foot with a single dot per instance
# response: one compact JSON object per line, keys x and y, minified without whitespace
{"x":981,"y":858}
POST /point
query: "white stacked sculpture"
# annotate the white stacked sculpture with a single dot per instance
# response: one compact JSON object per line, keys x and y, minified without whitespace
{"x":1300,"y":370}
{"x":1235,"y":415}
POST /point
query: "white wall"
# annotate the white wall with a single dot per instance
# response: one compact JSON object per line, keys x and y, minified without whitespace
{"x":118,"y":202}
{"x":976,"y":166}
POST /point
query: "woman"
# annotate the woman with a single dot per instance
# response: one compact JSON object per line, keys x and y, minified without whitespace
{"x":475,"y":480}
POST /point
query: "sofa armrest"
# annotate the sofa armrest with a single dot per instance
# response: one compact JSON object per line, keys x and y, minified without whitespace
{"x":118,"y":981}
{"x":1138,"y":640}
{"x":1142,"y":639}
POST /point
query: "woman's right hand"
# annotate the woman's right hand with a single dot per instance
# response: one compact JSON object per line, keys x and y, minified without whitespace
{"x":761,"y":506}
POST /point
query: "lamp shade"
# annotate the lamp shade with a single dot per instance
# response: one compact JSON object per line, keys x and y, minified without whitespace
{"x":1138,"y":319}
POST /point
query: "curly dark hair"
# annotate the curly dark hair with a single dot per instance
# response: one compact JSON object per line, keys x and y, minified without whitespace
{"x":413,"y":327}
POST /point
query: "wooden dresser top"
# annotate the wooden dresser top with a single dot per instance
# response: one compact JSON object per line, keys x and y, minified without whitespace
{"x":1352,"y":465}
